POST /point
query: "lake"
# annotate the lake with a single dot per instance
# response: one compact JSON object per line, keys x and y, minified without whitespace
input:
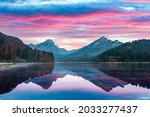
{"x":75,"y":81}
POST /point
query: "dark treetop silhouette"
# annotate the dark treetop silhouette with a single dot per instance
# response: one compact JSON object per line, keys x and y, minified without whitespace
{"x":136,"y":51}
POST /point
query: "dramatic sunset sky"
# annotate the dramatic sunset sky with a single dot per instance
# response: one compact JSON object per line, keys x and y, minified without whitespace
{"x":75,"y":23}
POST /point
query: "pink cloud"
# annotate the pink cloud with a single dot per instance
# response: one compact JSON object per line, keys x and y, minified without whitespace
{"x":76,"y":28}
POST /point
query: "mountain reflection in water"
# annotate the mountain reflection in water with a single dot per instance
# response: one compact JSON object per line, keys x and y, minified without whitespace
{"x":76,"y":81}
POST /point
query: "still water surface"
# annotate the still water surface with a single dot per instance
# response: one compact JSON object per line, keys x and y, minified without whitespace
{"x":83,"y":81}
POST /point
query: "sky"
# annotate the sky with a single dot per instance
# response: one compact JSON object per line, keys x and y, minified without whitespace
{"x":73,"y":24}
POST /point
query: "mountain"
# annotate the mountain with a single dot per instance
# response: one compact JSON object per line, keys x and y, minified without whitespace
{"x":49,"y":46}
{"x":12,"y":49}
{"x":91,"y":51}
{"x":136,"y":51}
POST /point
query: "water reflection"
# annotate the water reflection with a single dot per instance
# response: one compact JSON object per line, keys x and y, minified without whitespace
{"x":91,"y":73}
{"x":76,"y":81}
{"x":10,"y":78}
{"x":134,"y":73}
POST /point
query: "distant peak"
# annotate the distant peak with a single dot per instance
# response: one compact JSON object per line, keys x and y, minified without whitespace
{"x":102,"y":39}
{"x":49,"y":41}
{"x":106,"y":39}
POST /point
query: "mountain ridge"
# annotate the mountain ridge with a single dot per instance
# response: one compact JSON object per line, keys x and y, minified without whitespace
{"x":135,"y":51}
{"x":14,"y":50}
{"x":49,"y":46}
{"x":80,"y":55}
{"x":88,"y":53}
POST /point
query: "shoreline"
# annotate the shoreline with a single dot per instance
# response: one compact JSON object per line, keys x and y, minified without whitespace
{"x":11,"y":63}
